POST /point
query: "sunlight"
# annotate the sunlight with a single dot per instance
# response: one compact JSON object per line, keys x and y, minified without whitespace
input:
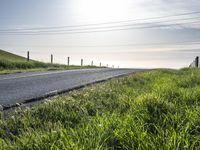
{"x":101,"y":10}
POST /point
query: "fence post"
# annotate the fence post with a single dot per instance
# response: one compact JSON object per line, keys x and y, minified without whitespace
{"x":197,"y":62}
{"x":28,"y":56}
{"x":51,"y":58}
{"x":68,"y":59}
{"x":81,"y":62}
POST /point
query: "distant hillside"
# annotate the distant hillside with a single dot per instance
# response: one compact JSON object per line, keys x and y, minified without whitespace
{"x":10,"y":56}
{"x":11,"y":63}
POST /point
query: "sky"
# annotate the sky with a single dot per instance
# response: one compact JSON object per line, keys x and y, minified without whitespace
{"x":124,"y":33}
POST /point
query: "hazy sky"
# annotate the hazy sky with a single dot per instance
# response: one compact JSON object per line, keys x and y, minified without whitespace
{"x":128,"y":33}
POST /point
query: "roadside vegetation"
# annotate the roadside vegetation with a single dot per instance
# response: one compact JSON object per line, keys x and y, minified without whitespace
{"x":159,"y":109}
{"x":11,"y":63}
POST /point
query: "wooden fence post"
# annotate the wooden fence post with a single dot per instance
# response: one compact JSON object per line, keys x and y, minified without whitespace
{"x":197,"y":62}
{"x":28,"y":56}
{"x":51,"y":58}
{"x":68,"y":59}
{"x":81,"y":62}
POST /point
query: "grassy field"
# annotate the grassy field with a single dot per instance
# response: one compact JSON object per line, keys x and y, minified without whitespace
{"x":159,"y":109}
{"x":11,"y":63}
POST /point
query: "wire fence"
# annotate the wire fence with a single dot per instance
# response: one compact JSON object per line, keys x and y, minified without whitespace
{"x":78,"y":61}
{"x":195,"y":63}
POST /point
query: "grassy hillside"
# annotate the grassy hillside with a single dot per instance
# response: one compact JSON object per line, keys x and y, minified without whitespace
{"x":11,"y":63}
{"x":10,"y":57}
{"x":159,"y":109}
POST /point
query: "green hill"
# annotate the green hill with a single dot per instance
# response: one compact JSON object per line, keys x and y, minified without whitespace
{"x":10,"y":56}
{"x":12,"y":63}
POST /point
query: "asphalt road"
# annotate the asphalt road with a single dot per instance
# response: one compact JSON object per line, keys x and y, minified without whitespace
{"x":27,"y":87}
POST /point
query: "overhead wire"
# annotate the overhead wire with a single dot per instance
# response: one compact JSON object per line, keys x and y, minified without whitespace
{"x":107,"y":27}
{"x":104,"y":23}
{"x":119,"y":28}
{"x":120,"y":45}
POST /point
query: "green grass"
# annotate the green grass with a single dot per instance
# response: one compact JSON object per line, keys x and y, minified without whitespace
{"x":11,"y":63}
{"x":10,"y":57}
{"x":49,"y":68}
{"x":159,"y":109}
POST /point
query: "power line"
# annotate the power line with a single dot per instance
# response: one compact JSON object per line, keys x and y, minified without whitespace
{"x":122,"y":45}
{"x":105,"y":23}
{"x":104,"y":29}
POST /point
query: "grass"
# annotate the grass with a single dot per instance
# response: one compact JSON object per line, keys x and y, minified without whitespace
{"x":49,"y":68}
{"x":158,"y":109}
{"x":11,"y":63}
{"x":4,"y":55}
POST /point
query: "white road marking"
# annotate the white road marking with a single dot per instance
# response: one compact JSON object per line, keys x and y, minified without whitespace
{"x":47,"y":73}
{"x":52,"y":92}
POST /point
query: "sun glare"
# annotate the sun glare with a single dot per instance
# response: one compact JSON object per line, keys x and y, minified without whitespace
{"x":101,"y":10}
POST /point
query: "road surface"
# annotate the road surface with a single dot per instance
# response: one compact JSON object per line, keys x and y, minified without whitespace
{"x":27,"y":87}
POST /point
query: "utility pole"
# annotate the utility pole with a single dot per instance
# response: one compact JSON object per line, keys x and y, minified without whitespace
{"x":28,"y":56}
{"x":100,"y":64}
{"x":92,"y":63}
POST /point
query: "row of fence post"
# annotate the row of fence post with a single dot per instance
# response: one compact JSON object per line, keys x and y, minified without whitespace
{"x":68,"y":60}
{"x":195,"y":63}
